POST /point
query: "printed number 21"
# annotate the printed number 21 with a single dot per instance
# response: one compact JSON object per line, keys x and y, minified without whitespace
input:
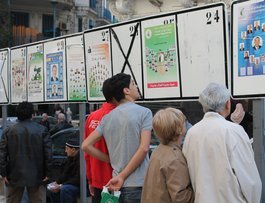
{"x":215,"y":17}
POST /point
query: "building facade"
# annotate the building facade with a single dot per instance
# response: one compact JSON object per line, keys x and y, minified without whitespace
{"x":130,"y":9}
{"x":30,"y":21}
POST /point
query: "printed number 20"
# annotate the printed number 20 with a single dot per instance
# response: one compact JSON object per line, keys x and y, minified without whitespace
{"x":209,"y":17}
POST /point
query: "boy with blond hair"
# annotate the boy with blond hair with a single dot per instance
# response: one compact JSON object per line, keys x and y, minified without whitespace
{"x":167,"y":164}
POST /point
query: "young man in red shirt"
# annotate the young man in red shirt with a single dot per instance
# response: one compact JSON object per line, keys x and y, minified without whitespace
{"x":98,"y":172}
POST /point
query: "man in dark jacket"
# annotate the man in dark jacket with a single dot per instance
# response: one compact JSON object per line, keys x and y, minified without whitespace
{"x":67,"y":187}
{"x":25,"y":156}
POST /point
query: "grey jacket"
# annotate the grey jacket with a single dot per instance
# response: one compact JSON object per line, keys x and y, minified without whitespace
{"x":25,"y":153}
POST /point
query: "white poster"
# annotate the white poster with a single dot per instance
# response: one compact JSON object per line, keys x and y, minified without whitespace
{"x":202,"y":48}
{"x":35,"y":73}
{"x":18,"y":75}
{"x":160,"y":61}
{"x":55,"y":70}
{"x":126,"y":51}
{"x":4,"y":86}
{"x":248,"y":49}
{"x":76,"y":74}
{"x":98,"y":62}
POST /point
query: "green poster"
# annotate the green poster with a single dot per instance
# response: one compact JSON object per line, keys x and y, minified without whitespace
{"x":160,"y":56}
{"x":35,"y":76}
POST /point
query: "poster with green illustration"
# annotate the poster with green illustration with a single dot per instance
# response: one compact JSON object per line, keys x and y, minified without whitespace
{"x":35,"y":76}
{"x":160,"y":56}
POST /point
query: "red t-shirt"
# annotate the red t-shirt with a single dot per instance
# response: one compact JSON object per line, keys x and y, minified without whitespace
{"x":98,"y":172}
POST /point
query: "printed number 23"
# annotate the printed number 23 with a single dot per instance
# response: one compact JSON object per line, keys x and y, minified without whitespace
{"x":209,"y":17}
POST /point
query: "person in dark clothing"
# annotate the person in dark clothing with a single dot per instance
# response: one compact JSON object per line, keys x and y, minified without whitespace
{"x":57,"y":109}
{"x":67,"y":187}
{"x":25,"y":157}
{"x":62,"y":124}
{"x":44,"y":121}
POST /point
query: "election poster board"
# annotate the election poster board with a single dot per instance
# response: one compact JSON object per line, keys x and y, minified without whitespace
{"x":248,"y":49}
{"x":4,"y":73}
{"x":98,"y":62}
{"x":202,"y":36}
{"x":18,"y":75}
{"x":160,"y":59}
{"x":171,"y":56}
{"x":76,"y":74}
{"x":35,"y":76}
{"x":55,"y":70}
{"x":126,"y":51}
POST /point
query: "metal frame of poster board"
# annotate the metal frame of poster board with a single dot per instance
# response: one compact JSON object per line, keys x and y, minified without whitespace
{"x":19,"y":80}
{"x":35,"y":59}
{"x":77,"y":75}
{"x":55,"y":89}
{"x":98,"y":61}
{"x":248,"y":49}
{"x":4,"y":79}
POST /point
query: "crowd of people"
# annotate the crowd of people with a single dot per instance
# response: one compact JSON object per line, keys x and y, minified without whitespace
{"x":216,"y":163}
{"x":213,"y":161}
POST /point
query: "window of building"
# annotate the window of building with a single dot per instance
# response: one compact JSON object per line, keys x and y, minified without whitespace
{"x":20,"y":19}
{"x":47,"y":26}
{"x":20,"y":28}
{"x":91,"y":24}
{"x":80,"y":24}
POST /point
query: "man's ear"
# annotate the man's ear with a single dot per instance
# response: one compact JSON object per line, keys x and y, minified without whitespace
{"x":126,"y":91}
{"x":228,"y":106}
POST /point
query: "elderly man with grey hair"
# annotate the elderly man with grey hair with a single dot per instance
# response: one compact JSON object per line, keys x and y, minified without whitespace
{"x":219,"y":154}
{"x":61,"y":124}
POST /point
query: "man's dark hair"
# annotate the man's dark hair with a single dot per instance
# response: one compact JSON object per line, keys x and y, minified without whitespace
{"x":106,"y":89}
{"x":24,"y":111}
{"x":117,"y":83}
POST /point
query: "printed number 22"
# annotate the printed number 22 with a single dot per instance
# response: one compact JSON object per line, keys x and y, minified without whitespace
{"x":215,"y":17}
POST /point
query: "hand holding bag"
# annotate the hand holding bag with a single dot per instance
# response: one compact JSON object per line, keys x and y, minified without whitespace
{"x":107,"y":197}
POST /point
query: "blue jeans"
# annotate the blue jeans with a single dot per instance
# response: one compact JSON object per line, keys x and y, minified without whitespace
{"x":68,"y":193}
{"x":130,"y":195}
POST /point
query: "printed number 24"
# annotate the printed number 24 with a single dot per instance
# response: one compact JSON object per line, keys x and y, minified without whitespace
{"x":215,"y":17}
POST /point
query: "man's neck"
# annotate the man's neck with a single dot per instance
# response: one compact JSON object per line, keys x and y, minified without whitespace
{"x":224,"y":113}
{"x":125,"y":100}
